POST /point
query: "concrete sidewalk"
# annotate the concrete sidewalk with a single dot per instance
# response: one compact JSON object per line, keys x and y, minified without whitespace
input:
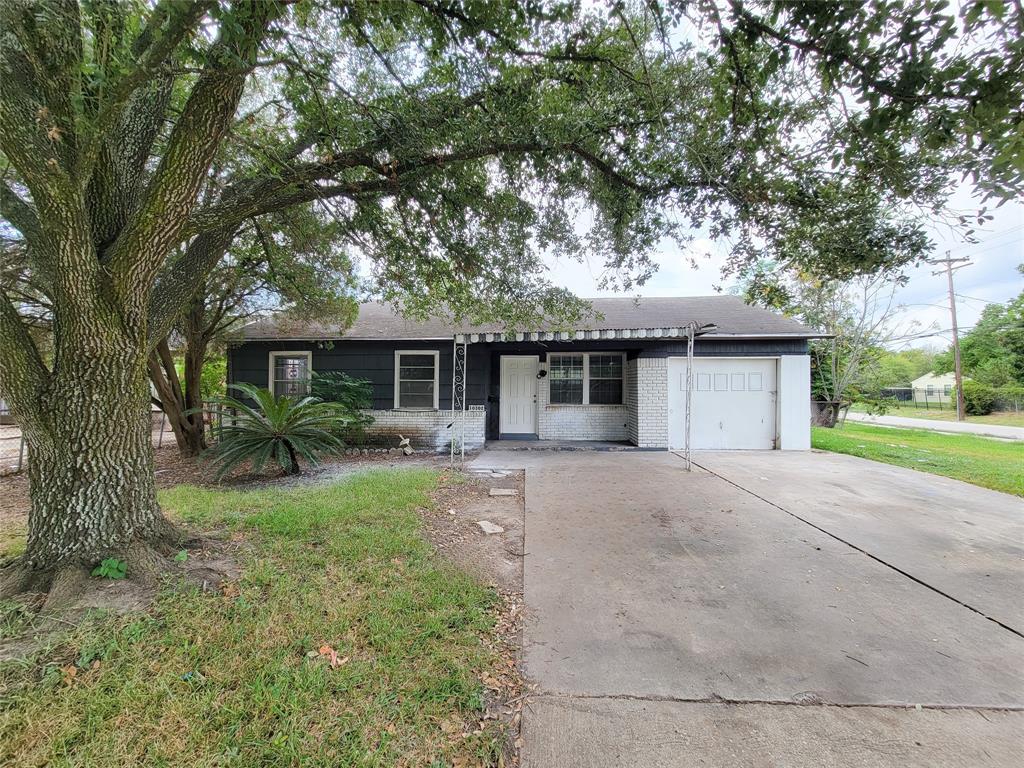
{"x":937,"y":425}
{"x":680,"y":619}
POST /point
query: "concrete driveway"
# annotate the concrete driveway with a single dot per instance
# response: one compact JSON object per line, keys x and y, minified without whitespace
{"x":768,"y":609}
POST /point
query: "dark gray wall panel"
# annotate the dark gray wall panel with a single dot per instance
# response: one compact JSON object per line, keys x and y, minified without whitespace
{"x":374,"y":361}
{"x":724,"y":348}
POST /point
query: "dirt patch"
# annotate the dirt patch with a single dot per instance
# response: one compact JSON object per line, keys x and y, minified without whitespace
{"x":453,"y":528}
{"x":211,"y":564}
{"x":461,"y":502}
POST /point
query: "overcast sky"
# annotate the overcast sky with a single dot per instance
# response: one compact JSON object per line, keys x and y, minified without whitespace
{"x":992,"y":277}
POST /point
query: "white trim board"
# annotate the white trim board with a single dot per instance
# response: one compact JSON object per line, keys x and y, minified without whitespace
{"x":437,"y":376}
{"x":308,"y":354}
{"x":586,"y":377}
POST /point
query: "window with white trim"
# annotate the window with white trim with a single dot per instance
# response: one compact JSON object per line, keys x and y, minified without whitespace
{"x":947,"y":389}
{"x":290,"y":372}
{"x":416,"y":379}
{"x":585,"y":378}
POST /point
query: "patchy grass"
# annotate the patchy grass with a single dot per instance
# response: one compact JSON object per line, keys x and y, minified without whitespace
{"x":990,"y":463}
{"x":237,"y":677}
{"x":1003,"y":418}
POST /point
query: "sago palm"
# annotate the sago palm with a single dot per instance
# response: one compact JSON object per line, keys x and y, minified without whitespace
{"x":277,"y":428}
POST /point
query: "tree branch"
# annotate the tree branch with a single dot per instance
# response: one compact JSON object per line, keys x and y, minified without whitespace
{"x":155,"y":228}
{"x":23,"y":375}
{"x":183,"y":277}
{"x":169,"y":23}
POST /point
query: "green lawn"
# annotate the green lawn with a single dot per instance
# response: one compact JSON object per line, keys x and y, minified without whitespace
{"x":237,"y":679}
{"x":1005,"y":418}
{"x":996,"y":464}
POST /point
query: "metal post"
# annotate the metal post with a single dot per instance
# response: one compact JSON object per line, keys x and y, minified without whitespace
{"x":459,"y":374}
{"x":689,"y":393}
{"x":163,"y":419}
{"x":455,"y":346}
{"x":462,"y":418}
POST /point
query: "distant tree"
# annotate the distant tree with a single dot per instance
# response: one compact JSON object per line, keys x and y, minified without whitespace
{"x":895,"y":369}
{"x":992,"y":352}
{"x":858,"y":316}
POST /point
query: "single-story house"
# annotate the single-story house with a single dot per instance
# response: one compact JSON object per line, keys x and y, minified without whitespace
{"x":934,"y":387}
{"x":621,"y":377}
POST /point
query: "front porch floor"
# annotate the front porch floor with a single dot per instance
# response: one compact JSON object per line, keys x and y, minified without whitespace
{"x":561,"y":445}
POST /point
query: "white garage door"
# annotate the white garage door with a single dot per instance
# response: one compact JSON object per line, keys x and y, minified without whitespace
{"x":733,"y":403}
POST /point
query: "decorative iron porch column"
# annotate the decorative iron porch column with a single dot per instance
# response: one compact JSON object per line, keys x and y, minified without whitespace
{"x":460,"y":368}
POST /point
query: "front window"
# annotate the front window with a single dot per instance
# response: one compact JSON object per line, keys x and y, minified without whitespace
{"x":566,"y":375}
{"x":605,"y":379}
{"x":947,"y":389}
{"x":289,"y":373}
{"x":416,"y":379}
{"x":931,"y":390}
{"x":585,"y":379}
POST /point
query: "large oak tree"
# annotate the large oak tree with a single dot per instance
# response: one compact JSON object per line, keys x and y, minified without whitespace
{"x":455,"y":143}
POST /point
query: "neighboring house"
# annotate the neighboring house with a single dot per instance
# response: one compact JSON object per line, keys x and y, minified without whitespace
{"x":935,"y":387}
{"x":618,"y":378}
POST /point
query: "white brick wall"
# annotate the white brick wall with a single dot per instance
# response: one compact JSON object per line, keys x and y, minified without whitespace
{"x":647,"y":382}
{"x":428,"y":430}
{"x":578,"y":422}
{"x":632,"y":433}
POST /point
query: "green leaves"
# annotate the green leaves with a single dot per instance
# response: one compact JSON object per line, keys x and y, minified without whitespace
{"x":279,"y":429}
{"x":111,"y":568}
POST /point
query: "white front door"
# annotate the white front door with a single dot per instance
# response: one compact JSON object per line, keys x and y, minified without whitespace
{"x":518,"y":395}
{"x":733,"y":404}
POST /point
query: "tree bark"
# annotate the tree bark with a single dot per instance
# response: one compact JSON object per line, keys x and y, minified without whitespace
{"x":177,"y":399}
{"x":91,"y":480}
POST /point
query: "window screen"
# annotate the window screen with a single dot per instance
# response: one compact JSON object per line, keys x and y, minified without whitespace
{"x":417,"y":380}
{"x":605,"y":379}
{"x":291,"y":375}
{"x":565,"y":373}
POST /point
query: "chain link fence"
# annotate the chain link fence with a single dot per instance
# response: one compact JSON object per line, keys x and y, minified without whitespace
{"x":14,"y":453}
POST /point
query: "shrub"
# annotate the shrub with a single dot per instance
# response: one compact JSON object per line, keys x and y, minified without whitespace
{"x":1009,"y":398}
{"x":277,"y":428}
{"x":337,"y":387}
{"x":877,"y":405}
{"x":979,"y":399}
{"x":354,"y":395}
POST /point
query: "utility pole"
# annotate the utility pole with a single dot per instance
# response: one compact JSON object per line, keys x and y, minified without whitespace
{"x":957,"y":372}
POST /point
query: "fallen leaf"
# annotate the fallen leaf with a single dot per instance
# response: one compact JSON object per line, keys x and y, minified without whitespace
{"x":326,"y":650}
{"x":229,"y":589}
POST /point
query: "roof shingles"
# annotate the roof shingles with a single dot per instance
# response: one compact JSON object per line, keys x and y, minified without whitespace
{"x":378,"y":321}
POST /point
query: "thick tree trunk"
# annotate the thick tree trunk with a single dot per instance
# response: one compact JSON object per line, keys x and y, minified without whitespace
{"x":91,"y":478}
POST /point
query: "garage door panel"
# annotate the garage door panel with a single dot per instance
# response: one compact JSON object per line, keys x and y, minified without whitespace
{"x":733,"y":404}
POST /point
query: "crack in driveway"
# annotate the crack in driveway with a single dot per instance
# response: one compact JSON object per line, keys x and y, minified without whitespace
{"x":863,"y":551}
{"x":714,"y":699}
